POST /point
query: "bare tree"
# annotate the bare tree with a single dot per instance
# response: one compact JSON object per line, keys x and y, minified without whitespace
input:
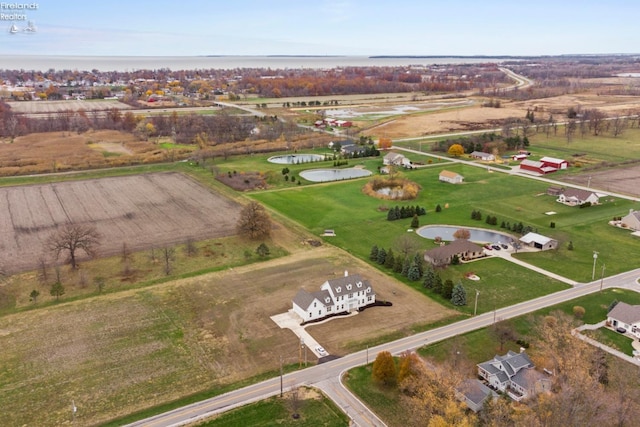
{"x":73,"y":238}
{"x":168,"y":256}
{"x":254,"y":222}
{"x":570,"y":130}
{"x":405,"y":245}
{"x":503,"y":332}
{"x":618,"y":125}
{"x":190,"y":247}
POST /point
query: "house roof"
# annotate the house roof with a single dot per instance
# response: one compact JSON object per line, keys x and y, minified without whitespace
{"x":535,"y":237}
{"x":511,"y":363}
{"x":393,"y":156}
{"x":449,"y":174}
{"x":340,"y":286}
{"x":626,"y":313}
{"x":481,"y":154}
{"x":353,"y":148}
{"x":474,"y":390}
{"x":458,"y":246}
{"x":527,"y":378}
{"x":304,"y":299}
{"x":578,"y":193}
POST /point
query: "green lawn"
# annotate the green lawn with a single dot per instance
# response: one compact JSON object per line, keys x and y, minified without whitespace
{"x":360,"y":222}
{"x":318,"y":411}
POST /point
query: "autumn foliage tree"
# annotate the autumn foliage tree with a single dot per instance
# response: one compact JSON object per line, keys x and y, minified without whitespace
{"x":455,"y":150}
{"x":384,"y":369}
{"x":72,"y":239}
{"x":254,"y":222}
{"x":384,"y":143}
{"x":462,"y":233}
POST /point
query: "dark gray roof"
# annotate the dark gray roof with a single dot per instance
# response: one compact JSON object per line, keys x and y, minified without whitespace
{"x":474,"y":390}
{"x":511,"y":362}
{"x":304,"y":299}
{"x":626,"y":313}
{"x":527,"y":378}
{"x":340,"y":286}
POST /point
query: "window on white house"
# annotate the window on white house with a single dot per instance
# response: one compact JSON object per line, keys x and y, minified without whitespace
{"x":359,"y":284}
{"x":349,"y":287}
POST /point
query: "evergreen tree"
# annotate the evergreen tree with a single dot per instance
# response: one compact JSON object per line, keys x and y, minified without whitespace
{"x":455,"y":259}
{"x":403,"y":212}
{"x":382,"y":256}
{"x":391,"y":215}
{"x":405,"y":266}
{"x":389,"y":262}
{"x":473,"y":214}
{"x":570,"y":247}
{"x":429,"y":278}
{"x":437,"y":284}
{"x":415,"y":222}
{"x":373,"y":255}
{"x":438,"y":208}
{"x":413,"y":273}
{"x":397,"y":212}
{"x":503,"y":225}
{"x":459,"y":295}
{"x":418,"y":260}
{"x":447,"y":289}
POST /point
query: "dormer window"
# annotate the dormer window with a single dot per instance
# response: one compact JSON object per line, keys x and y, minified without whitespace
{"x":369,"y":290}
{"x":349,"y":287}
{"x":339,"y":289}
{"x":359,"y":284}
{"x":327,"y":300}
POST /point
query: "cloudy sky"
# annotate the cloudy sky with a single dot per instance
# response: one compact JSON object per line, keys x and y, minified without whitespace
{"x":322,"y":27}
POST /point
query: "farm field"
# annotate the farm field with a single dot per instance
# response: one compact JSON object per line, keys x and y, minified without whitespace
{"x":42,"y":107}
{"x":118,"y":353}
{"x":143,"y":211}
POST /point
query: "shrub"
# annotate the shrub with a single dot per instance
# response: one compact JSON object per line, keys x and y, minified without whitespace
{"x":578,"y":312}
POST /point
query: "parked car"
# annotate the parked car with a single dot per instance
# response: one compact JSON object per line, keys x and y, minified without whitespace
{"x":503,"y":246}
{"x":487,"y":247}
{"x":621,"y":330}
{"x":496,"y":247}
{"x":321,"y":351}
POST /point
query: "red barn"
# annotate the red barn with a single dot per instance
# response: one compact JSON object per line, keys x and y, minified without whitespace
{"x":538,"y":167}
{"x":554,"y":163}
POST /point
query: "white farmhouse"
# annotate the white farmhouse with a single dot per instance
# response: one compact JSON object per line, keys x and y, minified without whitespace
{"x":450,"y":177}
{"x":396,"y":159}
{"x":341,"y":295}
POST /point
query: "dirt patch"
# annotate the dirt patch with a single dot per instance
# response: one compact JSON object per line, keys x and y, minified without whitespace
{"x":243,"y":181}
{"x":143,"y":211}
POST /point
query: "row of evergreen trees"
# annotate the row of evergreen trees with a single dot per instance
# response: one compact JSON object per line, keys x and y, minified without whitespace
{"x":414,"y":269}
{"x":518,"y":227}
{"x":405,"y":212}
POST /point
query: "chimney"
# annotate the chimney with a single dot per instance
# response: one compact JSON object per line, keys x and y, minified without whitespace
{"x":346,"y":273}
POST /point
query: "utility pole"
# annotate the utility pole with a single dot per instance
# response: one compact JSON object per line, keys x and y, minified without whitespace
{"x":595,"y":258}
{"x":475,"y":308}
{"x":281,"y":385}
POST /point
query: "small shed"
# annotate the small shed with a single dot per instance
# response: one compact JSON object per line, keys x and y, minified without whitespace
{"x":450,"y":177}
{"x":539,"y":241}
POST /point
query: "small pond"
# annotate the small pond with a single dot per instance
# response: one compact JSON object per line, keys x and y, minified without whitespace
{"x":323,"y":175}
{"x":293,"y":159}
{"x":477,"y":235}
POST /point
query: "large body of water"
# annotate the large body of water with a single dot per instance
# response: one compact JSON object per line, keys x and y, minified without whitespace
{"x":133,"y":63}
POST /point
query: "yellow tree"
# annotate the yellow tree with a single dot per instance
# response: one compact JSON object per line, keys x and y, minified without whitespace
{"x":456,"y":150}
{"x":384,"y":369}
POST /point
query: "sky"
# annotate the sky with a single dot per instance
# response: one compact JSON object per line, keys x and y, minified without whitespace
{"x":320,"y":27}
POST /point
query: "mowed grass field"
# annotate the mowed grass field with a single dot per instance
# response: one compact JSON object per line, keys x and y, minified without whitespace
{"x":360,"y":222}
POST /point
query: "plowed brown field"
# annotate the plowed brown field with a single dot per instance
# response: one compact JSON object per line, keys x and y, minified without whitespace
{"x":143,"y":211}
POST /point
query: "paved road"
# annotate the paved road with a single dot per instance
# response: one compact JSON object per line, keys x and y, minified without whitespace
{"x":326,"y":376}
